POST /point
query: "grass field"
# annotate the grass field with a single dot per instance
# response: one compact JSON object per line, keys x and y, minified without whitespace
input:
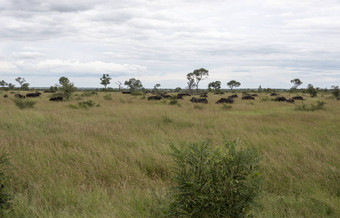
{"x":114,"y":160}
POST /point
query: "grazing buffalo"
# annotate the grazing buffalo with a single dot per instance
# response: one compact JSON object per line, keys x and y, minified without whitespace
{"x":248,"y":97}
{"x":5,"y":96}
{"x":280,"y":99}
{"x":225,"y":100}
{"x":290,"y":100}
{"x":126,"y":92}
{"x":232,"y":96}
{"x":49,"y":91}
{"x":32,"y":95}
{"x":298,"y":98}
{"x":204,"y":95}
{"x":154,"y":98}
{"x":19,"y":96}
{"x":166,"y":96}
{"x":273,"y":94}
{"x":338,"y":98}
{"x":180,"y":95}
{"x":254,"y":95}
{"x":57,"y":98}
{"x":199,"y":100}
{"x":218,"y":93}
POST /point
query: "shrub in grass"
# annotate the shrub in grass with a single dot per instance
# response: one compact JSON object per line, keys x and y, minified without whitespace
{"x":5,"y":197}
{"x":24,"y":103}
{"x":214,"y":182}
{"x":107,"y":97}
{"x":86,"y":104}
{"x":226,"y":107}
{"x":198,"y":107}
{"x":319,"y":106}
{"x":173,"y":100}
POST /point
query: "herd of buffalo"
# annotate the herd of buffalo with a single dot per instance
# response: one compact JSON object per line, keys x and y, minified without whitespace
{"x":201,"y":99}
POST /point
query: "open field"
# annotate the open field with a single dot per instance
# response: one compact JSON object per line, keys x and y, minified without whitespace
{"x":114,"y":161}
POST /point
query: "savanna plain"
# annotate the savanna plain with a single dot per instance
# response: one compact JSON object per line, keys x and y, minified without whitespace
{"x":114,"y":159}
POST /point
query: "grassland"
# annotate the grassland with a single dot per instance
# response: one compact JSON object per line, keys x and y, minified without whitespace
{"x":113,"y":160}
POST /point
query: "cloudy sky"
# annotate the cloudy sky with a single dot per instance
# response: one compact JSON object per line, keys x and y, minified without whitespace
{"x":256,"y":42}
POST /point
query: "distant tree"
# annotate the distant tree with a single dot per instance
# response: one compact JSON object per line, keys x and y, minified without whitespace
{"x":296,"y":83}
{"x":155,"y":88}
{"x":66,"y":87}
{"x":197,"y":76}
{"x":22,"y":83}
{"x":134,"y":84}
{"x":233,"y":84}
{"x":215,"y":85}
{"x":105,"y":80}
{"x":11,"y":86}
{"x":178,"y":89}
{"x":335,"y":91}
{"x":191,"y":82}
{"x":311,"y":90}
{"x":119,"y":85}
{"x":259,"y":89}
{"x":3,"y":83}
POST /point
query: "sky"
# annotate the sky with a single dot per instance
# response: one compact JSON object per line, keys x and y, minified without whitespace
{"x":255,"y":42}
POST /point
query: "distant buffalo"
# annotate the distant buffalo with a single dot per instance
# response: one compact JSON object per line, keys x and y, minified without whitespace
{"x":19,"y":96}
{"x":180,"y":95}
{"x":154,"y":98}
{"x":225,"y":100}
{"x":338,"y":98}
{"x":273,"y":94}
{"x":126,"y":92}
{"x":199,"y":100}
{"x":32,"y":95}
{"x":166,"y":96}
{"x":254,"y":95}
{"x":219,"y":93}
{"x":298,"y":98}
{"x":280,"y":99}
{"x":57,"y":98}
{"x":5,"y":96}
{"x":290,"y":100}
{"x":204,"y":95}
{"x":248,"y":97}
{"x":232,"y":96}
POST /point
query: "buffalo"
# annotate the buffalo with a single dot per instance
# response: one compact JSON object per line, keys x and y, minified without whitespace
{"x":180,"y":95}
{"x":19,"y":96}
{"x":298,"y":98}
{"x":232,"y":96}
{"x":166,"y":96}
{"x":57,"y":98}
{"x":338,"y":98}
{"x":204,"y":95}
{"x":154,"y":98}
{"x":225,"y":100}
{"x":290,"y":100}
{"x":248,"y":97}
{"x":219,"y":93}
{"x":199,"y":100}
{"x":126,"y":93}
{"x":32,"y":95}
{"x":280,"y":99}
{"x":5,"y":96}
{"x":273,"y":94}
{"x":254,"y":95}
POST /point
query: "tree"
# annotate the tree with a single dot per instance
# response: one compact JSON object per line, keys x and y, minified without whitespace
{"x":119,"y":85}
{"x":105,"y":80}
{"x":155,"y":88}
{"x":66,"y":87}
{"x":335,"y":91}
{"x":3,"y":83}
{"x":259,"y":89}
{"x":233,"y":84}
{"x":133,"y":84}
{"x":215,"y":85}
{"x":11,"y":86}
{"x":197,"y":76}
{"x":178,"y":89}
{"x":22,"y":83}
{"x":296,"y":82}
{"x":191,"y":81}
{"x":311,"y":90}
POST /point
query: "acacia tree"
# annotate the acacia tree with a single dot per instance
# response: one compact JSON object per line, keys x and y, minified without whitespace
{"x":155,"y":88}
{"x":191,"y":82}
{"x":233,"y":84}
{"x":119,"y":85}
{"x":335,"y":91}
{"x":296,"y":83}
{"x":133,"y":84}
{"x":3,"y":83}
{"x":311,"y":90}
{"x":215,"y":85}
{"x":22,"y":83}
{"x":105,"y":80}
{"x":196,"y":77}
{"x":66,"y":87}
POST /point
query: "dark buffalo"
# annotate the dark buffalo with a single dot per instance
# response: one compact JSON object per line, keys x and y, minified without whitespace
{"x":338,"y":98}
{"x":290,"y":100}
{"x":19,"y":96}
{"x":232,"y":96}
{"x":219,"y":93}
{"x":126,"y":93}
{"x":180,"y":95}
{"x":199,"y":100}
{"x":298,"y":98}
{"x":280,"y":99}
{"x":225,"y":100}
{"x":248,"y":97}
{"x":166,"y":96}
{"x":154,"y":98}
{"x":204,"y":95}
{"x":5,"y":96}
{"x":254,"y":95}
{"x":33,"y":95}
{"x":273,"y":94}
{"x":57,"y":98}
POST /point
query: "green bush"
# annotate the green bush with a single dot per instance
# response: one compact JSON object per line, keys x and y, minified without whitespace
{"x":214,"y":182}
{"x":226,"y":107}
{"x":24,"y":103}
{"x":86,"y":104}
{"x":5,"y":197}
{"x":107,"y":97}
{"x":319,"y":106}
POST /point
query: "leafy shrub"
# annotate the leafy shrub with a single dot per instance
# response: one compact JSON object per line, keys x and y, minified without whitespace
{"x":5,"y":197}
{"x":136,"y":93}
{"x":312,"y":107}
{"x":173,"y":100}
{"x":86,"y":104}
{"x":266,"y":98}
{"x":214,"y":182}
{"x":24,"y":103}
{"x":198,"y":107}
{"x":107,"y":97}
{"x":226,"y":107}
{"x":335,"y":91}
{"x":89,"y":94}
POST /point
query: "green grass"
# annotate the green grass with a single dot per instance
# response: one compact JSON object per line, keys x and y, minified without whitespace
{"x":114,"y":160}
